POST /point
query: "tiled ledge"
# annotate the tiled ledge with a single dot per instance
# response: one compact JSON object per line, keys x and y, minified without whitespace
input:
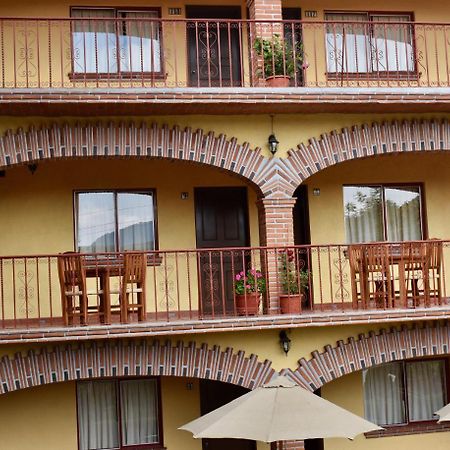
{"x":126,"y":101}
{"x":180,"y":327}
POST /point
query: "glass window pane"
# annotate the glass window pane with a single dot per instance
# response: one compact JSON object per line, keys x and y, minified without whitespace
{"x":94,"y":41}
{"x":96,"y":222}
{"x":140,"y":49}
{"x":426,"y":389}
{"x":136,"y":221}
{"x":392,"y":44}
{"x":347,"y":45}
{"x":403,"y":213}
{"x":97,"y":415}
{"x":384,"y":401}
{"x":363,"y":214}
{"x":139,"y":412}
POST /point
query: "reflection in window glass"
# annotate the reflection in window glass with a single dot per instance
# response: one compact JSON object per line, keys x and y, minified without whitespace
{"x":403,"y":213}
{"x":363,"y":214}
{"x":96,"y":231}
{"x":135,"y":216}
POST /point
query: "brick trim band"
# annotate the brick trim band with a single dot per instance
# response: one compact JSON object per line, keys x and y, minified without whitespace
{"x":370,"y":350}
{"x":131,"y":359}
{"x":145,"y":141}
{"x":368,"y":140}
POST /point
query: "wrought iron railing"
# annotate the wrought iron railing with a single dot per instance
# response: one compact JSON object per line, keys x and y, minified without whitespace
{"x":205,"y":284}
{"x":150,"y":53}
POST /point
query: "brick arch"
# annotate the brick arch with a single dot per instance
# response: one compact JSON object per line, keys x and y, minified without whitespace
{"x":370,"y":350}
{"x":61,"y":141}
{"x":368,"y":140}
{"x":40,"y":367}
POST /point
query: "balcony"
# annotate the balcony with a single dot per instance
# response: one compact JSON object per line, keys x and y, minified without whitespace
{"x":298,"y":64}
{"x":188,"y":291}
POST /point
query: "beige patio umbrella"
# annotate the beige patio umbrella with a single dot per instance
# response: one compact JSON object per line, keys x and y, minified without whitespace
{"x":278,"y":411}
{"x":444,"y":414}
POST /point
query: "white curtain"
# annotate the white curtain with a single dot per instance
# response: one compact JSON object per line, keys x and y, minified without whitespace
{"x":383,"y":394}
{"x":140,"y":49}
{"x":139,"y":412}
{"x":348,"y":45}
{"x":426,"y":389}
{"x":392,"y":45}
{"x":363,"y":214}
{"x":403,"y":213}
{"x":97,"y":415}
{"x":94,"y":42}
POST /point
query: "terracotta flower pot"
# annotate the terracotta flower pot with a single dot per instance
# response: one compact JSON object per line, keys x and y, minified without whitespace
{"x":278,"y":81}
{"x":248,"y":305}
{"x":291,"y":304}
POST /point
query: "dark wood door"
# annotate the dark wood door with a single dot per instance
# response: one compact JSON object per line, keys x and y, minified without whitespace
{"x":293,"y":38}
{"x":302,"y":234}
{"x":213,"y":395}
{"x":214,"y":50}
{"x":221,"y":217}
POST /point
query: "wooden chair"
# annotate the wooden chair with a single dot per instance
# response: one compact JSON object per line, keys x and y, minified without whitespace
{"x":358,"y":274}
{"x":422,"y":267}
{"x":74,"y":293}
{"x":132,"y":289}
{"x":380,"y":279}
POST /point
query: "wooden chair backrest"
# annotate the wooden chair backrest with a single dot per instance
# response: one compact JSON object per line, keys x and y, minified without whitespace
{"x":377,"y":258}
{"x":357,"y":257}
{"x":71,"y":271}
{"x":135,"y":268}
{"x":434,"y":254}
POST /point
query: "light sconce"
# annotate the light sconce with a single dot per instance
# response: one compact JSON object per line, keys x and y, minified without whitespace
{"x":32,"y":168}
{"x":272,"y":141}
{"x":273,"y":144}
{"x":285,"y":342}
{"x":316,"y":192}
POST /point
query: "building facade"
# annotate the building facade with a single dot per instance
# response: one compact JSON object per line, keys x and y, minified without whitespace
{"x":159,"y":162}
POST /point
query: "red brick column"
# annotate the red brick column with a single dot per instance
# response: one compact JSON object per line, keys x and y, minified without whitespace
{"x":264,"y":9}
{"x":276,"y":228}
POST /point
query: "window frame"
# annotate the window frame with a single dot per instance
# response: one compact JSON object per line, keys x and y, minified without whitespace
{"x":414,"y":427}
{"x":151,"y":191}
{"x":155,"y":446}
{"x":371,"y":74}
{"x":383,"y":186}
{"x":118,"y":75}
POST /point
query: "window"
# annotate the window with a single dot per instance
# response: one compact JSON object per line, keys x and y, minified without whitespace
{"x":122,"y":44}
{"x":111,"y":221}
{"x":404,"y":392}
{"x":117,"y":414}
{"x":369,"y":43}
{"x":382,"y":213}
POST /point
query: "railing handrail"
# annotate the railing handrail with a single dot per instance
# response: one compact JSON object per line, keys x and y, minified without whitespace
{"x":230,"y":249}
{"x":215,"y":20}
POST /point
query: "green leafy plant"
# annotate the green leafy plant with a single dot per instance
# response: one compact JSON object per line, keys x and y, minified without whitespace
{"x":293,"y":281}
{"x":250,"y":282}
{"x":278,"y":56}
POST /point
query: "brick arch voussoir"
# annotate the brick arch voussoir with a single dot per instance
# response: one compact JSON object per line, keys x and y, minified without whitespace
{"x":370,"y":350}
{"x":68,"y":363}
{"x":130,"y":140}
{"x":361,"y":141}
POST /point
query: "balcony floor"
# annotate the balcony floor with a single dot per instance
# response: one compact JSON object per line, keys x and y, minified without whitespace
{"x":139,"y":101}
{"x":218,"y":324}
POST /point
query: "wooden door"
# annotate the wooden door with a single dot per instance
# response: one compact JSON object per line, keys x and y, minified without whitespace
{"x":213,"y":395}
{"x":221,"y":217}
{"x":293,"y":37}
{"x":214,"y":50}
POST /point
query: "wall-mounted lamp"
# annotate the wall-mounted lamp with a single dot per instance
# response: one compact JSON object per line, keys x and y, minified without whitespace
{"x":316,"y":192}
{"x":32,"y":168}
{"x":285,"y":342}
{"x":273,"y":144}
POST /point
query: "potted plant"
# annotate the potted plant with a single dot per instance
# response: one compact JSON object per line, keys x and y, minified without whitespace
{"x":293,"y":283}
{"x":248,"y":288}
{"x":280,"y":60}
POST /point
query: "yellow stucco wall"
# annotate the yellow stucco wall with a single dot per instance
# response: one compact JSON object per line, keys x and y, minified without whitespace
{"x":347,"y":392}
{"x":432,"y":170}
